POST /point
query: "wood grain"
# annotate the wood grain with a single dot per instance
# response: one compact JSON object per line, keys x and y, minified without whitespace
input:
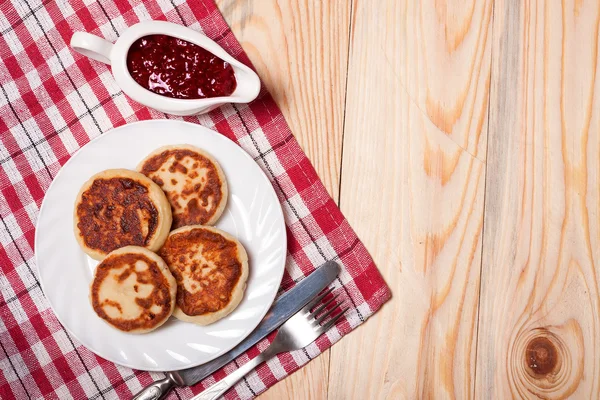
{"x":413,"y":187}
{"x":301,"y":55}
{"x":539,"y":334}
{"x":472,"y":129}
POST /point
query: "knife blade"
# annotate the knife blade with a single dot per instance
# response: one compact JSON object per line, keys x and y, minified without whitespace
{"x":285,"y":307}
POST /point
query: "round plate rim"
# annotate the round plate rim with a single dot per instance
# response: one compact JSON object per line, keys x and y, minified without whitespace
{"x":217,"y":135}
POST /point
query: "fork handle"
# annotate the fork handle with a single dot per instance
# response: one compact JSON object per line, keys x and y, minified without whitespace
{"x":219,"y":388}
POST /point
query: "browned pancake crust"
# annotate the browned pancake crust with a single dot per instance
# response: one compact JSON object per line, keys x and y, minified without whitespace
{"x":217,"y":286}
{"x":193,"y":214}
{"x":160,"y":293}
{"x":109,"y":214}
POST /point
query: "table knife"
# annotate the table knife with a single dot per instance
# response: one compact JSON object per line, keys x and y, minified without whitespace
{"x":287,"y":305}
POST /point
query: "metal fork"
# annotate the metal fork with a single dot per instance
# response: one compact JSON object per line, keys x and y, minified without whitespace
{"x":299,"y":331}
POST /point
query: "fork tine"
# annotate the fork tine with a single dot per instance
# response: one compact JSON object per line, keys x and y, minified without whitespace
{"x":316,"y":301}
{"x":333,"y":320}
{"x":323,"y":306}
{"x":327,"y":313}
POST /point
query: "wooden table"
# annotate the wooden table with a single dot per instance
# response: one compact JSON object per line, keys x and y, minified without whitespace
{"x":461,"y":139}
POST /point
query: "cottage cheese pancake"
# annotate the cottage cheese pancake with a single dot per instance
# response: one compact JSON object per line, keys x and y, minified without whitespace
{"x":211,"y":269}
{"x":133,"y":290}
{"x":193,"y":181}
{"x":117,"y":208}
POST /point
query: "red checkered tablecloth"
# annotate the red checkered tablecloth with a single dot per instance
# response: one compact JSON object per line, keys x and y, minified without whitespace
{"x":52,"y":102}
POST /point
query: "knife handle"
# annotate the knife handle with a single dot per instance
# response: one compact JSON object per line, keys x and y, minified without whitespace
{"x":158,"y":390}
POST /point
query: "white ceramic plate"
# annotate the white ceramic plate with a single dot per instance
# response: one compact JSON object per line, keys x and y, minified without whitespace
{"x":253,"y":215}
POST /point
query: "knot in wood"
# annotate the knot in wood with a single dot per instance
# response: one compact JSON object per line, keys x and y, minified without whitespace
{"x":546,"y":362}
{"x":541,"y":355}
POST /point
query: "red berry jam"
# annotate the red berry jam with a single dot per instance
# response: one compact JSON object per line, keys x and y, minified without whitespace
{"x":177,"y":68}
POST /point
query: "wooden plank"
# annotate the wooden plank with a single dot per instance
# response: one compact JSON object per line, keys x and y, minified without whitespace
{"x":413,"y":187}
{"x":539,"y":334}
{"x":301,"y":55}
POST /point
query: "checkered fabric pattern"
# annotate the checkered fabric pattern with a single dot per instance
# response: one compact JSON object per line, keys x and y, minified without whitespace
{"x":52,"y":102}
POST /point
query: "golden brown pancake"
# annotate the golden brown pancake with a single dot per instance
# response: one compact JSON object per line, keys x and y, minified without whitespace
{"x":193,"y":181}
{"x":117,"y":208}
{"x":211,"y":269}
{"x":133,"y":290}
